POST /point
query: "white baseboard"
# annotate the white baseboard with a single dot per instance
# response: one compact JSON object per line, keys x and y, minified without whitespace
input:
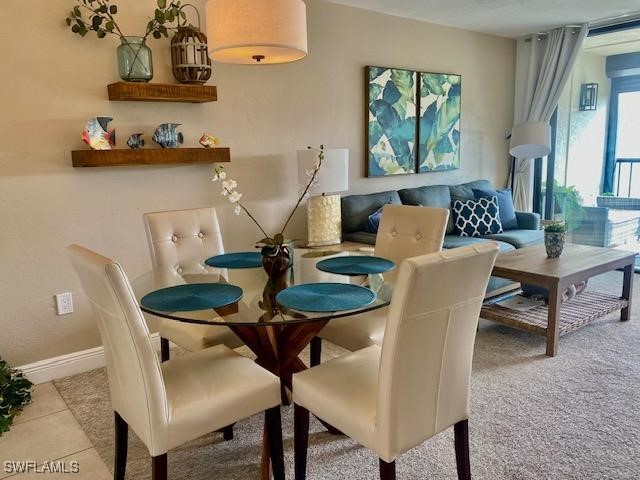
{"x":70,"y":364}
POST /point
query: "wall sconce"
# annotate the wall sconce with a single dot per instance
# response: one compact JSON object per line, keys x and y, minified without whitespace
{"x":588,"y":96}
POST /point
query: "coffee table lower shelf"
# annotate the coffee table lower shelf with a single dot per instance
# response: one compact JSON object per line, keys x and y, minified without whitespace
{"x":574,"y":314}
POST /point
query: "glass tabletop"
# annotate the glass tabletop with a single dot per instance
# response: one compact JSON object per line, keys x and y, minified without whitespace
{"x":258,"y":305}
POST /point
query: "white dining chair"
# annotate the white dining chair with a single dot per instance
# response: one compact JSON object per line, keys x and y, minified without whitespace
{"x":168,"y":404}
{"x":393,"y":397}
{"x":405,"y":231}
{"x":177,"y":239}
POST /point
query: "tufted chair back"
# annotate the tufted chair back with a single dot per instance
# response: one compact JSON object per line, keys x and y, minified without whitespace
{"x":425,"y":365}
{"x":135,"y":379}
{"x":178,"y":237}
{"x":408,"y":231}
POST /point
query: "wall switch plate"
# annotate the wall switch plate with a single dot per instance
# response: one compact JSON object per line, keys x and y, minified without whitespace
{"x":64,"y":303}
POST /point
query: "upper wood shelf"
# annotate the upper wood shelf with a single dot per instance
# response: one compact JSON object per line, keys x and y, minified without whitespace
{"x":161,"y":92}
{"x":149,"y":156}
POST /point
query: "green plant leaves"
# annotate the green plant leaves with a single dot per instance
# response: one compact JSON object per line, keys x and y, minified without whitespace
{"x":162,"y":4}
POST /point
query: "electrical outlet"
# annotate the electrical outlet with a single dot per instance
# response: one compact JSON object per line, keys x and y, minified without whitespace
{"x":64,"y":303}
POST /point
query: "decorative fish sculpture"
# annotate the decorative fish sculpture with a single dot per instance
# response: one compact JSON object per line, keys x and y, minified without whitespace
{"x":166,"y":135}
{"x":96,"y":135}
{"x":208,"y":141}
{"x":135,"y":141}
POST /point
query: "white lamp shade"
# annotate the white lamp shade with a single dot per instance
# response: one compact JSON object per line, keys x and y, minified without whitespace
{"x":243,"y":31}
{"x":333,"y":175}
{"x":530,"y":140}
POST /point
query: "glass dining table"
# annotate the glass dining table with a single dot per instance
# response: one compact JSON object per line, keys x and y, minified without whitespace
{"x":275,"y":334}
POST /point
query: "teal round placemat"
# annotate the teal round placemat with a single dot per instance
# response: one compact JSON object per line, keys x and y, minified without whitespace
{"x":190,"y":297}
{"x":355,"y":265}
{"x":325,"y":297}
{"x":236,"y":260}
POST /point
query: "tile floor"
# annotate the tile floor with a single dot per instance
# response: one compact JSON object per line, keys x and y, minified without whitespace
{"x":47,"y":431}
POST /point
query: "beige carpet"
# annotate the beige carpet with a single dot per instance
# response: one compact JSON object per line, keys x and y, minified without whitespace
{"x":575,"y":416}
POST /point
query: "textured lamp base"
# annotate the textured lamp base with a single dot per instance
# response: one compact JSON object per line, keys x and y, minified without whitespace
{"x":324,"y":220}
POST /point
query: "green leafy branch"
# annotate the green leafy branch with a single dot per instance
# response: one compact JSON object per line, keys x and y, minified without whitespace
{"x":99,"y":16}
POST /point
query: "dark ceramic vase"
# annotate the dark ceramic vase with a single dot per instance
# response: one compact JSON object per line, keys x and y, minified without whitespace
{"x":278,"y":268}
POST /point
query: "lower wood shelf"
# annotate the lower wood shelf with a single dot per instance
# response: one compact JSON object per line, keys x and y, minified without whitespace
{"x":149,"y":156}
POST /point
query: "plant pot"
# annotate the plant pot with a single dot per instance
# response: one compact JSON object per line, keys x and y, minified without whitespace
{"x":135,"y":63}
{"x":554,"y":243}
{"x":277,"y":267}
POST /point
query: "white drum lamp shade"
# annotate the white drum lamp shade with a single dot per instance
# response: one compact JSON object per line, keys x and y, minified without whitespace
{"x":530,"y":140}
{"x":256,"y":31}
{"x":324,"y":219}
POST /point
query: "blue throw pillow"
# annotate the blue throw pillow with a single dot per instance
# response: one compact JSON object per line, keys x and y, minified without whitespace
{"x":505,"y":206}
{"x":373,"y":221}
{"x":475,"y":218}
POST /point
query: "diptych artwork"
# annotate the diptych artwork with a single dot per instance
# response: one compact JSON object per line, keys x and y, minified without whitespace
{"x":413,"y":121}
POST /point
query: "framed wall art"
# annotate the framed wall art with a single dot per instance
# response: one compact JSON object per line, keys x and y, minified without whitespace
{"x":413,"y":121}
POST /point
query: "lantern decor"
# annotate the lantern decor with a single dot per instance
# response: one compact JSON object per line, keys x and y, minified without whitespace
{"x":588,"y":96}
{"x":190,"y":54}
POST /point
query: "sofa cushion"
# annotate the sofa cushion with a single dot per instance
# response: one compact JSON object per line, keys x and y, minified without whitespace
{"x":454,"y":241}
{"x":357,"y":208}
{"x":518,"y":238}
{"x":464,"y":191}
{"x":436,"y":196}
{"x":506,"y":209}
{"x":475,"y":218}
{"x":373,"y":221}
{"x":360,"y":237}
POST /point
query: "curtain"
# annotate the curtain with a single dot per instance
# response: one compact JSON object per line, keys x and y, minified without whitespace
{"x":543,"y":67}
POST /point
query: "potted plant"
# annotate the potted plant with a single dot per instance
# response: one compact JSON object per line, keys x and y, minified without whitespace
{"x":134,"y":56}
{"x":554,"y":238}
{"x":15,"y":393}
{"x":276,"y":256}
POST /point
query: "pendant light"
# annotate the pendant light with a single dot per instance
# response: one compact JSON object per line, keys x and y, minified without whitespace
{"x":260,"y":32}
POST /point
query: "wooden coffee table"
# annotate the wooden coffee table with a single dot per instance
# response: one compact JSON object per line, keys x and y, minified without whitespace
{"x":576,"y":264}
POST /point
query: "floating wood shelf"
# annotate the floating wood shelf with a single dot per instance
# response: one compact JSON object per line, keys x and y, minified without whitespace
{"x":148,"y":156}
{"x":161,"y":92}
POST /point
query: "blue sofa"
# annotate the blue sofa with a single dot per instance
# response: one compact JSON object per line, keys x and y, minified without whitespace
{"x":357,"y":208}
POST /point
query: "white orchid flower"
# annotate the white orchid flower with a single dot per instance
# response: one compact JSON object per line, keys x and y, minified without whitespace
{"x":219,"y":175}
{"x":234,"y":197}
{"x":229,"y":184}
{"x":237,"y":210}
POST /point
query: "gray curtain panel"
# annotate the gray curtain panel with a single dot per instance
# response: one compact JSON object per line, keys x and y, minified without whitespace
{"x":543,"y":66}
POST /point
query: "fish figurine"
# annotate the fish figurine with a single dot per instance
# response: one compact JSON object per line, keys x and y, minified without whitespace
{"x":166,"y":135}
{"x":135,"y":141}
{"x":96,"y":135}
{"x":208,"y":141}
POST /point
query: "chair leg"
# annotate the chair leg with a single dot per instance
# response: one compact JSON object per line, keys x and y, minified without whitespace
{"x":316,"y":351}
{"x":159,"y":467}
{"x":227,"y":432}
{"x":387,"y":470}
{"x":461,"y":434}
{"x":122,"y":438}
{"x":301,"y":440}
{"x":273,"y":422}
{"x":164,"y":349}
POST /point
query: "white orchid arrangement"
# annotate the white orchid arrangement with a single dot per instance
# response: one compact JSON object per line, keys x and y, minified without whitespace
{"x":271,"y":244}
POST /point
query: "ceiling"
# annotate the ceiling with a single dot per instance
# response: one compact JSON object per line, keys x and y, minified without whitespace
{"x":626,"y":41}
{"x":507,"y":18}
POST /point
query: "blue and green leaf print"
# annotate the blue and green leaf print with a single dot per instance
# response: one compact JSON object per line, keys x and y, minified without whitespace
{"x":392,"y":121}
{"x":439,"y":133}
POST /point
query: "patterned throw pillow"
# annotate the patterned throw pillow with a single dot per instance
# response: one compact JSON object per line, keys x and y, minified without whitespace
{"x":475,"y":218}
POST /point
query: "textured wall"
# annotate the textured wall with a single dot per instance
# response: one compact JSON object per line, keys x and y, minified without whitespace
{"x":53,"y":81}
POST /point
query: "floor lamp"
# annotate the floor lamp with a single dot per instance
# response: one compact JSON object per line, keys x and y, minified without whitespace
{"x":324,"y":219}
{"x":528,"y":140}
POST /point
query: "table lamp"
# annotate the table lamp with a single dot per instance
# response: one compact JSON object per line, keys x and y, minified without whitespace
{"x":324,"y":219}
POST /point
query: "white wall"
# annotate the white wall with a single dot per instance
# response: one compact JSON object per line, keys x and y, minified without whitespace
{"x":581,"y":135}
{"x":53,"y":81}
